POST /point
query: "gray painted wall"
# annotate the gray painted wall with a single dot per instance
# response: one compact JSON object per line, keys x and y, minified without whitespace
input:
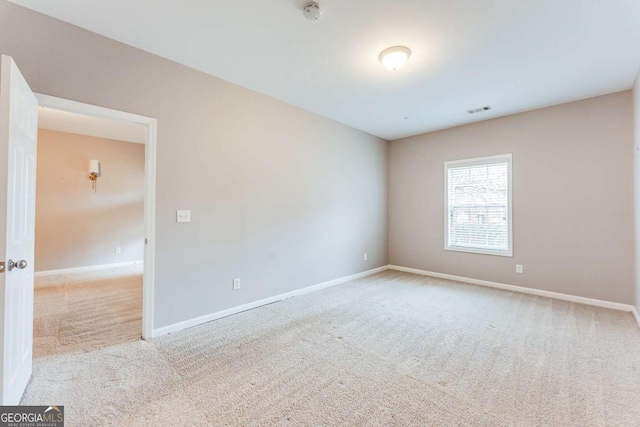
{"x":75,"y":226}
{"x":280,"y":197}
{"x":572,"y":198}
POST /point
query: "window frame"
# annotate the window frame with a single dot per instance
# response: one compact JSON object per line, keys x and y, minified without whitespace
{"x":488,"y":160}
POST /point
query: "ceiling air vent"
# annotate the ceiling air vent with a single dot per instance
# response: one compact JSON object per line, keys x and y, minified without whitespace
{"x":479,"y":110}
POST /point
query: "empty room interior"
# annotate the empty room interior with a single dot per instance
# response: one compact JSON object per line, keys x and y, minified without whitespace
{"x":301,"y":213}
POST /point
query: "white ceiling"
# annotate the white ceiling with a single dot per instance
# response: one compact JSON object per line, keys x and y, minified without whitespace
{"x":63,"y":121}
{"x":514,"y":55}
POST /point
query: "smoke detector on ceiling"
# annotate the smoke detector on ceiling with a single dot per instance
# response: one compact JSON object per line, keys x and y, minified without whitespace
{"x":312,"y":11}
{"x":479,"y":110}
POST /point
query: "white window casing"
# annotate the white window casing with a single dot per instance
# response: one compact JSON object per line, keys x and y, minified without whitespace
{"x":478,"y":205}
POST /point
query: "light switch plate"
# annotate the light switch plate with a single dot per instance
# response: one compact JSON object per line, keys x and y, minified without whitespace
{"x":183,"y":216}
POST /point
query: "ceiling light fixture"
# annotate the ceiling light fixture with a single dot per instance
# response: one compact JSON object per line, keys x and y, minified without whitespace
{"x":395,"y":57}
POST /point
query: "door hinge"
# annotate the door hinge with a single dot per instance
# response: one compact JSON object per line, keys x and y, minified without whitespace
{"x":146,"y":241}
{"x":2,"y":266}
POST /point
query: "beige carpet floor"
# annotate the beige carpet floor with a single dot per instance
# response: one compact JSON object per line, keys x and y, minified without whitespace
{"x":81,"y":312}
{"x":392,"y":349}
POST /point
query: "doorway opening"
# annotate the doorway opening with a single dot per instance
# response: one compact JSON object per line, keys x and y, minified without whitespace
{"x":94,"y":227}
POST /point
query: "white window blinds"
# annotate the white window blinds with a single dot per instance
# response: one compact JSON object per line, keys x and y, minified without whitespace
{"x":478,"y":205}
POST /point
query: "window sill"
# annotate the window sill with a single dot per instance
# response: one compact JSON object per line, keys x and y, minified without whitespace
{"x":479,"y":251}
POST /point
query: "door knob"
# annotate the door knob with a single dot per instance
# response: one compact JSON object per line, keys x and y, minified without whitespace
{"x":11,"y":264}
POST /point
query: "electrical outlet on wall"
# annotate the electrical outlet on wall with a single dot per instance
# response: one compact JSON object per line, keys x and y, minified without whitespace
{"x":519,"y":268}
{"x":118,"y":250}
{"x":366,"y":257}
{"x":183,"y":216}
{"x":236,"y":284}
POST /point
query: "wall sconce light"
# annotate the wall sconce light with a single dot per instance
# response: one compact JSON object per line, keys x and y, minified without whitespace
{"x":94,"y":173}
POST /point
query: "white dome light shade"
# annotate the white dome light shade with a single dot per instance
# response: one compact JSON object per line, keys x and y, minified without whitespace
{"x":395,"y":57}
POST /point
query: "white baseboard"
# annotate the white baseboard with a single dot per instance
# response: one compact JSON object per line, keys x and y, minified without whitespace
{"x":523,"y":290}
{"x":234,"y":310}
{"x":636,"y":315}
{"x":83,"y":269}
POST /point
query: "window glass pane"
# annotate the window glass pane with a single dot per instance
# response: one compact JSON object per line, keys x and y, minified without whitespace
{"x":478,"y":206}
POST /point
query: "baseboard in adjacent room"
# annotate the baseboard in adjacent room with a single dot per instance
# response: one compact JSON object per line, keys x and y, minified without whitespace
{"x":234,"y":310}
{"x":84,"y":269}
{"x":523,"y":290}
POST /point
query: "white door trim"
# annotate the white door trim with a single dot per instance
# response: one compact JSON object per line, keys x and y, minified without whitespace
{"x":151,"y":125}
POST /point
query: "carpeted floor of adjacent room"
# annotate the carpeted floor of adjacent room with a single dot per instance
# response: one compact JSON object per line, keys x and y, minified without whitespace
{"x":85,"y":311}
{"x":390,"y":349}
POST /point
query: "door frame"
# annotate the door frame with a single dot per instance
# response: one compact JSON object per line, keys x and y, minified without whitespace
{"x":151,"y":126}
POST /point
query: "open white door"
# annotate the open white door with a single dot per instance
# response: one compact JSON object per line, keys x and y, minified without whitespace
{"x":18,"y":148}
